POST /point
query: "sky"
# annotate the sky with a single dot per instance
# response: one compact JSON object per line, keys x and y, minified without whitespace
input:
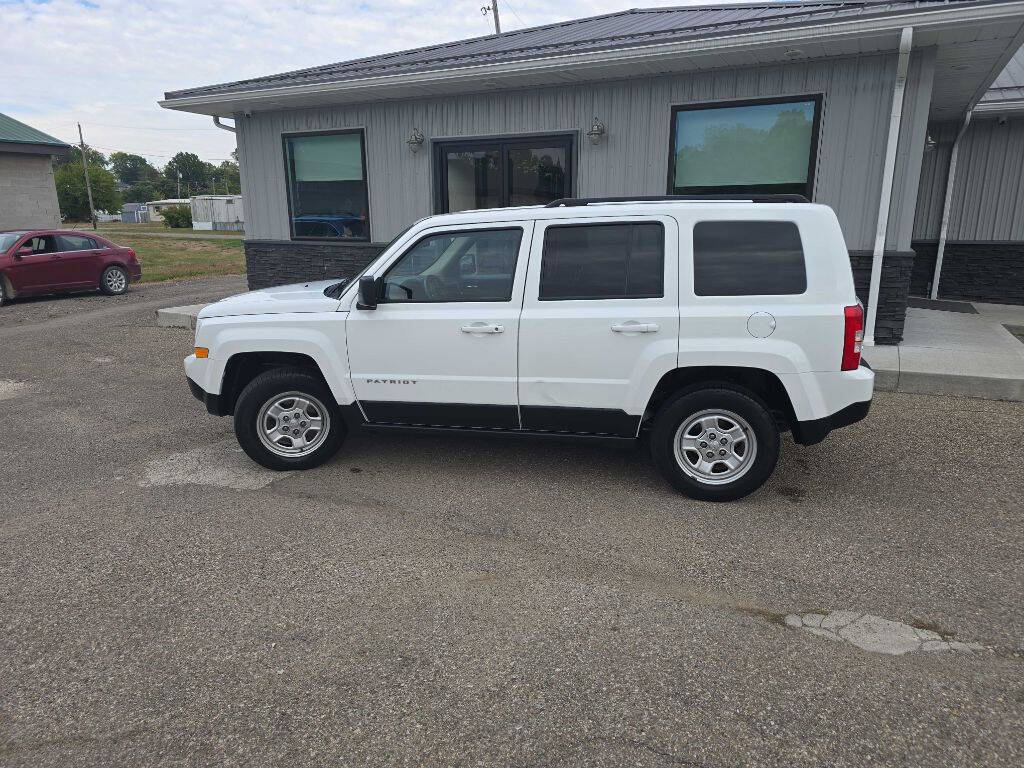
{"x":106,"y":63}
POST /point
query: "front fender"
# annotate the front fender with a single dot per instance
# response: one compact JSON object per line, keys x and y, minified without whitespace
{"x":320,"y":336}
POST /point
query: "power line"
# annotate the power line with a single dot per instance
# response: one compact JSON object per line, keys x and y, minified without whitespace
{"x":514,"y":12}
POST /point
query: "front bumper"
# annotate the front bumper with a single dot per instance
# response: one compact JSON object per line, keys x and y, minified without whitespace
{"x":212,"y":402}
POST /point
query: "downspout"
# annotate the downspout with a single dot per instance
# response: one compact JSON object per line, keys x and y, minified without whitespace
{"x":947,"y":204}
{"x":219,"y":124}
{"x":895,"y":118}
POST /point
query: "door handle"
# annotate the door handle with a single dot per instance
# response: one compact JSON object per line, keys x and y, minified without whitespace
{"x":483,"y":328}
{"x":632,"y":326}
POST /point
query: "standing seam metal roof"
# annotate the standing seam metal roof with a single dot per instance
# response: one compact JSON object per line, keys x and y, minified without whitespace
{"x":16,"y":132}
{"x":607,"y":32}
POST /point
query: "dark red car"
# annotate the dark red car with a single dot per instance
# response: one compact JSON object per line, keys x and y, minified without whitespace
{"x":62,"y":261}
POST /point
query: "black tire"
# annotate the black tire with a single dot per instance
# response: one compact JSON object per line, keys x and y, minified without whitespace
{"x":262,"y":391}
{"x":716,"y":397}
{"x":3,"y":291}
{"x":114,"y":280}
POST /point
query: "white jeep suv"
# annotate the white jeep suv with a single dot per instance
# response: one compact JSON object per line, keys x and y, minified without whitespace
{"x":705,"y":326}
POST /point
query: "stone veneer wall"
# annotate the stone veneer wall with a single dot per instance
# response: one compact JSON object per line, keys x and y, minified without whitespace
{"x":893,"y":291}
{"x":274,"y":262}
{"x":992,"y":272}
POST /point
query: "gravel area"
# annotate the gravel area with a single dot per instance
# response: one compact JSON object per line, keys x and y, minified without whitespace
{"x":474,"y":601}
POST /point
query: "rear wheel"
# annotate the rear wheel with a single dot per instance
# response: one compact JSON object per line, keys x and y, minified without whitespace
{"x":288,"y":419}
{"x":717,"y":443}
{"x":114,"y":281}
{"x":3,"y":291}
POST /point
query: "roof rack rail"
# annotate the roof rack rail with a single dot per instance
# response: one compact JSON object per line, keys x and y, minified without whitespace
{"x":570,"y":202}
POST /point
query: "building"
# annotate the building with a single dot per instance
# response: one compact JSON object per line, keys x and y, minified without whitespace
{"x":983,"y":251}
{"x":832,"y":100}
{"x":28,"y":194}
{"x":218,"y":212}
{"x":134,"y":213}
{"x":154,"y":207}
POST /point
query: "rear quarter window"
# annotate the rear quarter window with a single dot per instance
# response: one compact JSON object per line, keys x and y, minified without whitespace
{"x":748,"y":258}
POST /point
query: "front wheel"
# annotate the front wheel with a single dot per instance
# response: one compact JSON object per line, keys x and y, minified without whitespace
{"x":288,"y":419}
{"x":715,"y":444}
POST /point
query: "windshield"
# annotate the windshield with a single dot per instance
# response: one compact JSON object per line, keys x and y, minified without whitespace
{"x":8,"y":239}
{"x":395,"y":239}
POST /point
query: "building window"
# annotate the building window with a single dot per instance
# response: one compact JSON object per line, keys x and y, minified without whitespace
{"x":752,"y":147}
{"x":603,"y":261}
{"x":748,"y":258}
{"x":327,"y":194}
{"x":497,"y":173}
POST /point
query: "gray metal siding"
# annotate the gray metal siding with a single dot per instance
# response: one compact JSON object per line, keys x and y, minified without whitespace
{"x":633,"y":158}
{"x":988,"y":193}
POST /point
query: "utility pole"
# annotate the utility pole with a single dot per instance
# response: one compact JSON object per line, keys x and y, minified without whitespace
{"x":179,"y":185}
{"x":493,"y":10}
{"x":85,"y":168}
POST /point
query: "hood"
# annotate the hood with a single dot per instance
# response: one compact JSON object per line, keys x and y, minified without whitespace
{"x":300,"y":297}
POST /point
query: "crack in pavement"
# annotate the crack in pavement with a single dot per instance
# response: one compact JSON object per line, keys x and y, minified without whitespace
{"x":874,"y":633}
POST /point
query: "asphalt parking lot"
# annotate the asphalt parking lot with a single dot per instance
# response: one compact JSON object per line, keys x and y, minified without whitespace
{"x":471,"y":601}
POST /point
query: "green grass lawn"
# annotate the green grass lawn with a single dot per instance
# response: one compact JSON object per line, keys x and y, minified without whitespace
{"x":169,"y":258}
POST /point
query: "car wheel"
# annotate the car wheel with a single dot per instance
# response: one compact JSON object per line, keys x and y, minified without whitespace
{"x":3,"y":291}
{"x":288,"y":419}
{"x":717,"y":443}
{"x":114,"y":281}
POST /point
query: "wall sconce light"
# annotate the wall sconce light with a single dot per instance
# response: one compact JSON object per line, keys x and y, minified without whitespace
{"x":597,"y":130}
{"x":415,"y":140}
{"x":930,"y":143}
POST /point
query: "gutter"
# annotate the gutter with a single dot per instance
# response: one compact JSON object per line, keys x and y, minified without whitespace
{"x":947,"y":204}
{"x":222,"y":126}
{"x":888,"y":174}
{"x":652,"y":52}
{"x":999,"y":107}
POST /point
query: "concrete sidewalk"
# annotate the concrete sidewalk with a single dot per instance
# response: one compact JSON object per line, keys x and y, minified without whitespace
{"x":960,"y":352}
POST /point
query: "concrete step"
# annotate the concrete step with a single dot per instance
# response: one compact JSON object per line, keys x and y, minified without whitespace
{"x":178,"y":317}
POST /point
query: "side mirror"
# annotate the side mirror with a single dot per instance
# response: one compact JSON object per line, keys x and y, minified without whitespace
{"x":23,"y":252}
{"x":367,"y":293}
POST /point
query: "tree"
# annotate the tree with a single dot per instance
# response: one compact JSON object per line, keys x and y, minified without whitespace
{"x":227,"y":176}
{"x":142,"y":192}
{"x":194,"y":174}
{"x":96,"y":158}
{"x":72,"y":195}
{"x":132,"y":169}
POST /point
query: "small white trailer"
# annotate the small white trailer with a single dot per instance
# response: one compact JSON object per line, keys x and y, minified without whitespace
{"x":217,"y":212}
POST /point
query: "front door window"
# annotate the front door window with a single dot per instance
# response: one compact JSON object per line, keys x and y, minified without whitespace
{"x":503,"y":172}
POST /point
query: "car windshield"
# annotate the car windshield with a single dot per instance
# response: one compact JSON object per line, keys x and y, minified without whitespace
{"x":7,"y":239}
{"x":395,"y":239}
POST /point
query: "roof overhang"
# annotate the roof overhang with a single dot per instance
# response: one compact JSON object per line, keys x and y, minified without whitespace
{"x":30,"y":148}
{"x":973,"y":42}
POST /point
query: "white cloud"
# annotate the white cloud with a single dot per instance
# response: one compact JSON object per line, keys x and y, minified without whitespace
{"x":105,"y":63}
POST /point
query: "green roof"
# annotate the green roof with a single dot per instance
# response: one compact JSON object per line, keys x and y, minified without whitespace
{"x":14,"y":132}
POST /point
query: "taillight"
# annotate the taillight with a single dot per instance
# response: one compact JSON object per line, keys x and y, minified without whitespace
{"x":853,"y":337}
{"x":131,"y":254}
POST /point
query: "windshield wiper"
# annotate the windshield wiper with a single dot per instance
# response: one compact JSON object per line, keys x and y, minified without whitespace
{"x":334,"y":291}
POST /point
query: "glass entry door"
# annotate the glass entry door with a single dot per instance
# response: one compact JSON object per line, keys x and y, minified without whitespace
{"x":502,"y":172}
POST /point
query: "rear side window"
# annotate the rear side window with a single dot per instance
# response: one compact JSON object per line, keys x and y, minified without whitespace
{"x":603,"y":261}
{"x":76,"y":243}
{"x":748,"y":258}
